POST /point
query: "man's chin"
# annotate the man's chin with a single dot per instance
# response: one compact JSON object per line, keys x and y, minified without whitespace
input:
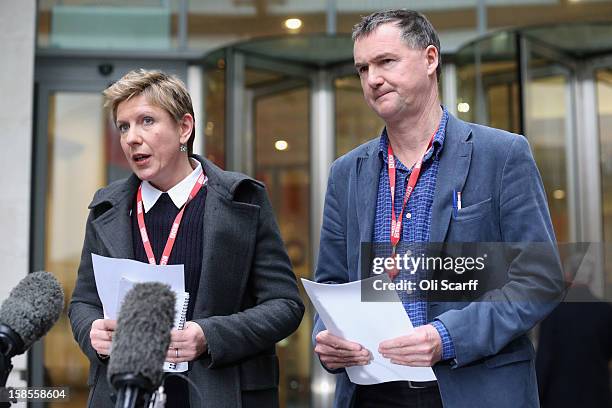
{"x":385,"y":109}
{"x":386,"y":114}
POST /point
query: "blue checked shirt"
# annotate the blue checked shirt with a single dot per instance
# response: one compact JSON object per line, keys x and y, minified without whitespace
{"x":416,"y":222}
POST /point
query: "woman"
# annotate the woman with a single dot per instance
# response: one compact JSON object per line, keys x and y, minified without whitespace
{"x":243,"y":294}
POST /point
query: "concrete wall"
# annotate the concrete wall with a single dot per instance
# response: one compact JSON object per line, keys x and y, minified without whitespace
{"x":17,"y":45}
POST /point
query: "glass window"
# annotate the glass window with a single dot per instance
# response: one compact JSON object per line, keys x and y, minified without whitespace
{"x":282,"y":159}
{"x":214,"y":94}
{"x":111,"y":24}
{"x":487,"y":78}
{"x":603,"y":77}
{"x":356,"y":123}
{"x":155,"y":24}
{"x":547,"y":129}
{"x":76,"y":169}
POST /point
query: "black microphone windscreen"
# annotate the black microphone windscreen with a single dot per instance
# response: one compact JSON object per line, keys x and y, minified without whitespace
{"x":142,"y":336}
{"x":33,"y":307}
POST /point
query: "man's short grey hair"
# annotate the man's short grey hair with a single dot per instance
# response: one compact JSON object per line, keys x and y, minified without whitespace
{"x":417,"y":31}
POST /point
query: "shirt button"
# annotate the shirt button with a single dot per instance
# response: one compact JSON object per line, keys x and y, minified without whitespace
{"x":408,"y":216}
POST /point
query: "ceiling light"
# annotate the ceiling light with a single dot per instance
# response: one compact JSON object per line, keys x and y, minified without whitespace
{"x":559,"y":194}
{"x":463,"y":107}
{"x":293,"y":23}
{"x":281,"y":145}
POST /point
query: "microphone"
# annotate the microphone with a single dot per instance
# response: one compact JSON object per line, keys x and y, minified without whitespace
{"x":32,"y":308}
{"x":140,"y":343}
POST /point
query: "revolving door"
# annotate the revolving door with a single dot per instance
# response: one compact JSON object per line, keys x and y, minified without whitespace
{"x":281,"y":110}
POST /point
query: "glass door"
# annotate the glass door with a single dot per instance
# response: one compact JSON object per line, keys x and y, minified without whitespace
{"x":548,"y":120}
{"x":270,"y":102}
{"x":282,"y":161}
{"x":603,"y":85}
{"x":272,"y":143}
{"x":81,"y":153}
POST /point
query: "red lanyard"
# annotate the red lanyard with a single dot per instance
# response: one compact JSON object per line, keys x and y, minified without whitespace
{"x":396,"y":223}
{"x":175,"y":226}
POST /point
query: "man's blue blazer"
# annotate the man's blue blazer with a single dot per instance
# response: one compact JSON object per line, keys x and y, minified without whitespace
{"x":503,"y":201}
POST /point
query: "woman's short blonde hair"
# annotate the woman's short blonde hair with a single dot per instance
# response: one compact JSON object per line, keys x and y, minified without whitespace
{"x":160,"y":89}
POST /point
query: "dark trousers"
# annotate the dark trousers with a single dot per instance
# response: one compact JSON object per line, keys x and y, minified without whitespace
{"x":397,"y":394}
{"x":177,"y":392}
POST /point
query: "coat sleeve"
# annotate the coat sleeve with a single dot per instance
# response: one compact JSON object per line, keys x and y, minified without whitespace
{"x":534,"y":285}
{"x":85,"y":305}
{"x":332,"y":266}
{"x":278,"y":308}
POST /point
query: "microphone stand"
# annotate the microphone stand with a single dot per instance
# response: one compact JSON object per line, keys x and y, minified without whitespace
{"x":158,"y":400}
{"x":5,"y":368}
{"x":10,"y":345}
{"x":133,"y":391}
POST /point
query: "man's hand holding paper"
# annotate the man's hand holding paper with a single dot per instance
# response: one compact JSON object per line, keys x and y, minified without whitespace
{"x":421,"y":348}
{"x":337,"y":306}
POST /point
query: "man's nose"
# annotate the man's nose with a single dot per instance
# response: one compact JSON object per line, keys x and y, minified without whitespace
{"x":375,"y":80}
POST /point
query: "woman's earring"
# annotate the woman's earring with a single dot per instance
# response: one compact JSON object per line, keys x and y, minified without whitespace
{"x":183,"y":148}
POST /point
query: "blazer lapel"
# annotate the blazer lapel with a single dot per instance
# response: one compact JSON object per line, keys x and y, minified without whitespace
{"x":454,"y":167}
{"x":114,"y":227}
{"x":366,"y":191}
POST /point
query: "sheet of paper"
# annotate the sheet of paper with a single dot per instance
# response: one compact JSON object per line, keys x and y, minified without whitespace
{"x":109,"y":271}
{"x":367,"y":323}
{"x":115,"y":277}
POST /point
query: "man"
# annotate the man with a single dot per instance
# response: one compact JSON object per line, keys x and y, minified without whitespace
{"x":469,"y":184}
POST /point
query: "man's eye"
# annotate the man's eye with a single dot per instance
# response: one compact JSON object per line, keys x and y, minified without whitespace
{"x":123,"y":127}
{"x":147,"y":120}
{"x":363,"y":69}
{"x":387,"y":60}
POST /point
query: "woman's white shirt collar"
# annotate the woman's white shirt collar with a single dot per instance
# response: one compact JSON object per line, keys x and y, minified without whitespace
{"x":178,"y":194}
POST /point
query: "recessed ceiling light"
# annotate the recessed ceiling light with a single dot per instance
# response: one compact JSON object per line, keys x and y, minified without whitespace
{"x":559,"y":194}
{"x":463,"y":107}
{"x":293,"y":23}
{"x":281,"y":145}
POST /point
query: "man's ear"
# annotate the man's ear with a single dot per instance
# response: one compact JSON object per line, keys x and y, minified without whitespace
{"x":433,"y":59}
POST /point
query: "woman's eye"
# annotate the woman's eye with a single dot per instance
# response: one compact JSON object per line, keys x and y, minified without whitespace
{"x":147,"y":120}
{"x":123,"y":128}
